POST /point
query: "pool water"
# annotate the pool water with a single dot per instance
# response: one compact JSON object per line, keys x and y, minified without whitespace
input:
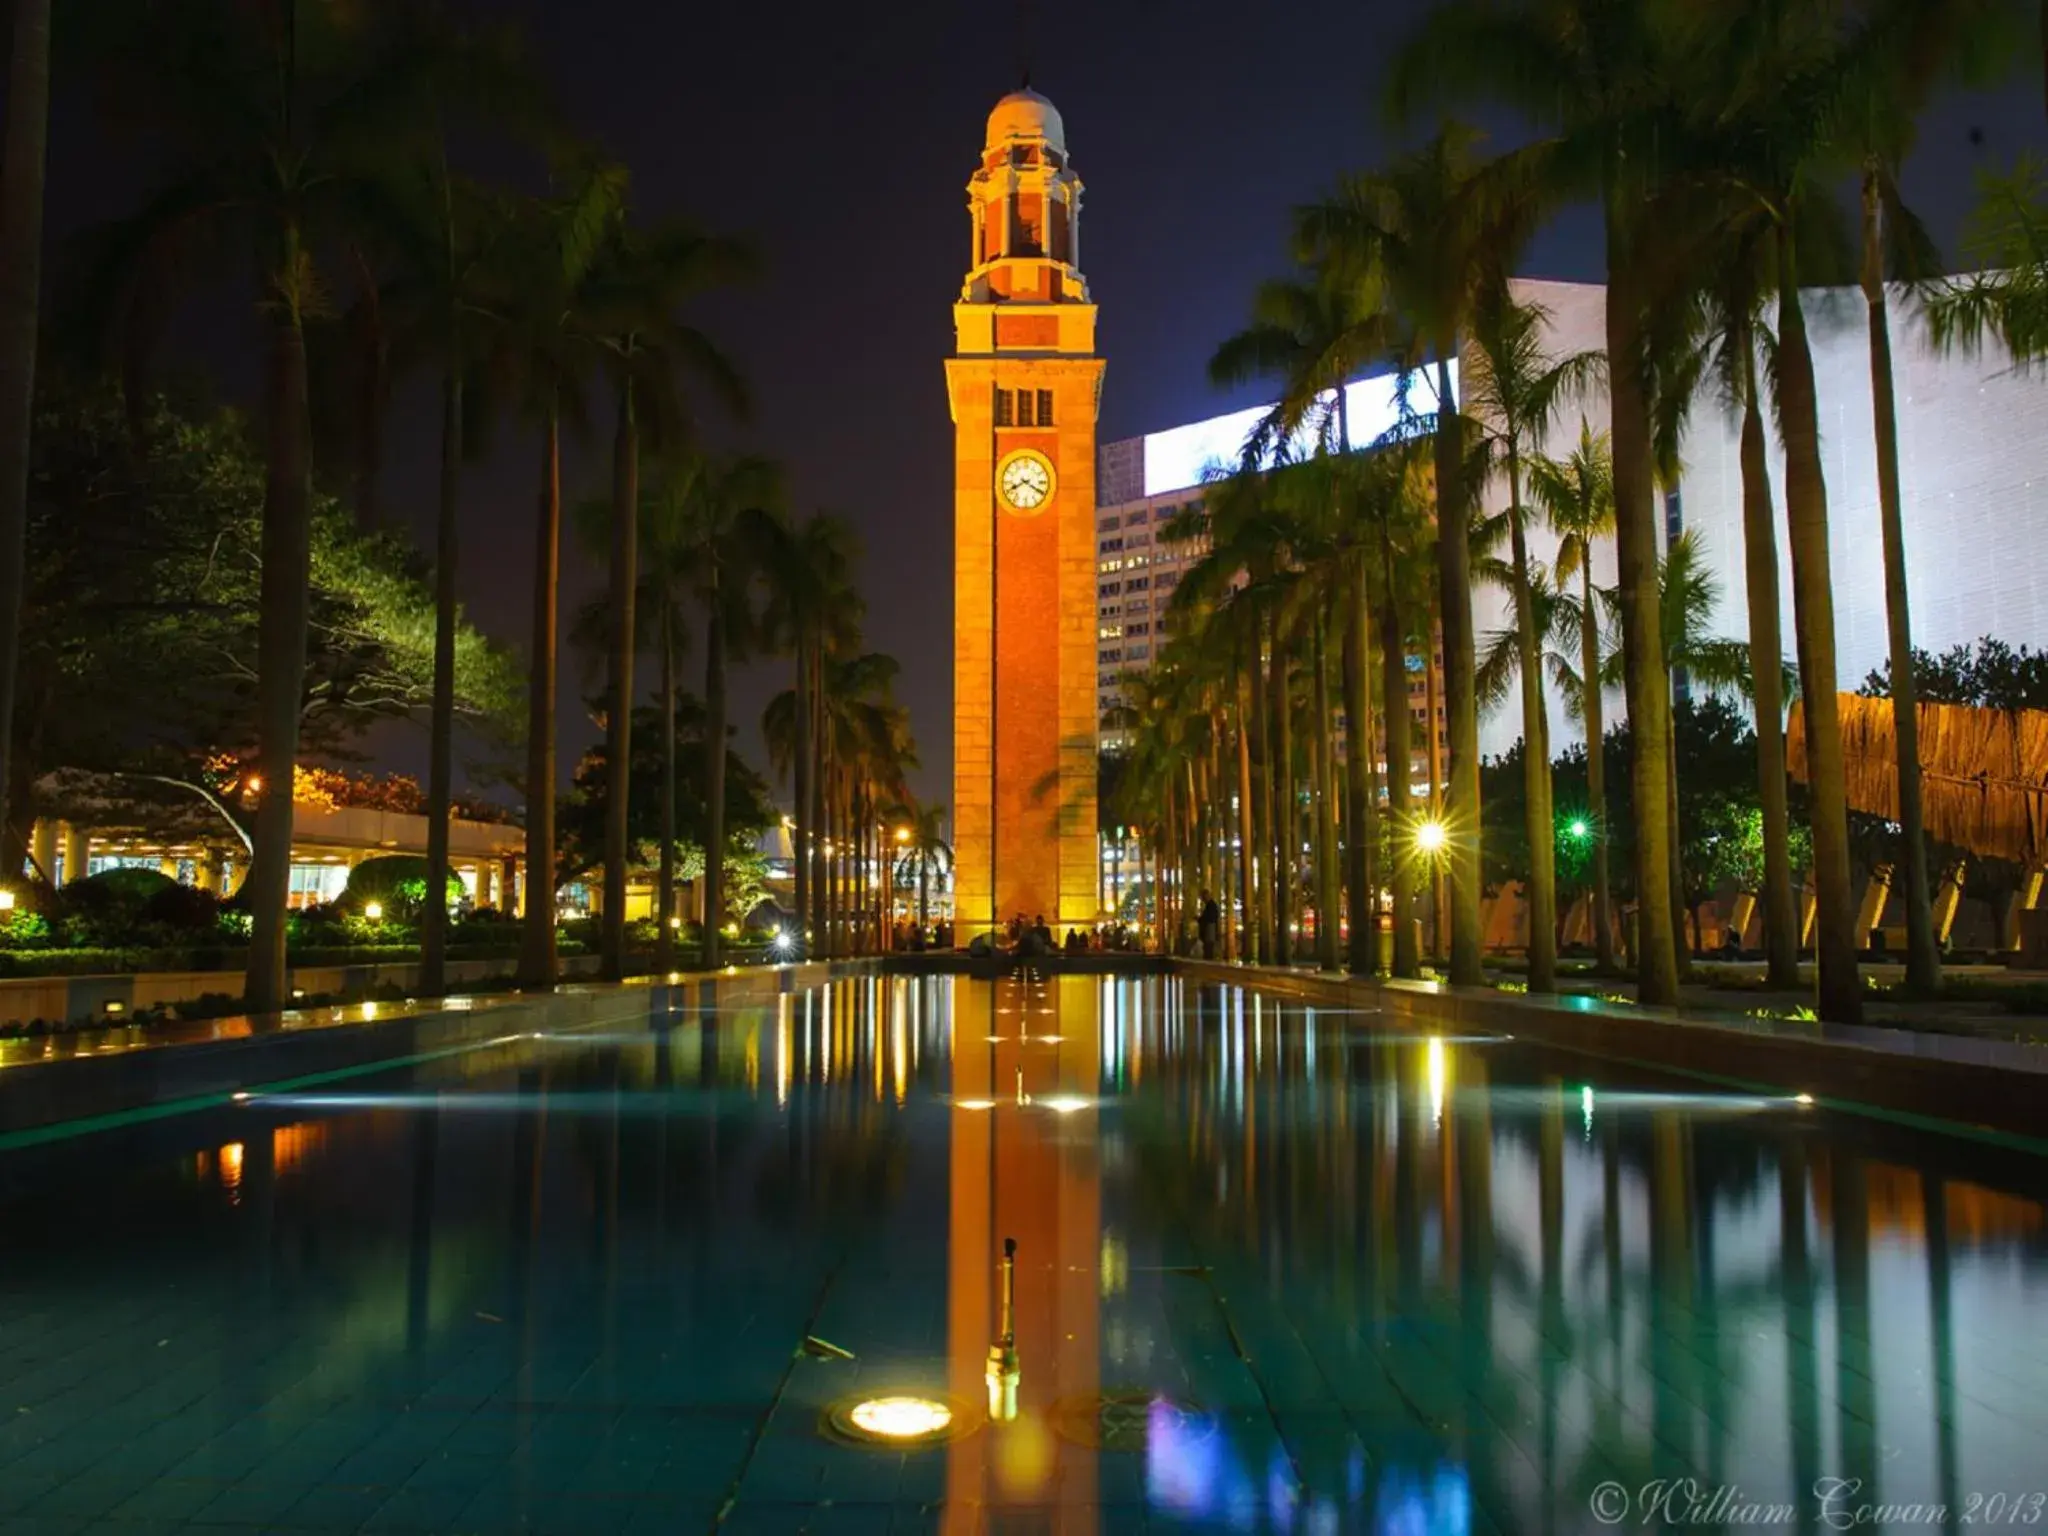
{"x":1275,"y":1269}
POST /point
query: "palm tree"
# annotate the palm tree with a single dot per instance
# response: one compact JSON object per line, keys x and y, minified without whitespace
{"x":285,"y":117}
{"x":1515,"y":391}
{"x":541,"y":358}
{"x":925,"y":852}
{"x":814,"y":611}
{"x":1729,"y":314}
{"x":1894,"y":64}
{"x":1431,"y":234}
{"x":1598,"y":74}
{"x":1576,"y":495}
{"x":442,"y":238}
{"x":632,"y":296}
{"x":1775,"y":154}
{"x":1555,"y":633}
{"x":1312,"y":335}
{"x":727,"y":528}
{"x":21,"y":265}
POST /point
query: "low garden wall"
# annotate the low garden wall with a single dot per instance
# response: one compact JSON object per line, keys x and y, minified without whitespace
{"x":61,"y":1083}
{"x":70,"y":1000}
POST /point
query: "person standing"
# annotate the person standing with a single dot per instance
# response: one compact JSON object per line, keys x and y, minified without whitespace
{"x":1209,"y":926}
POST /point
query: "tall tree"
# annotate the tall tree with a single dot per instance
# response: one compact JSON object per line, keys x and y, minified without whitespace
{"x":543,"y":358}
{"x":1515,"y":391}
{"x":1893,"y":64}
{"x":633,"y":300}
{"x":813,"y":611}
{"x":284,"y":117}
{"x":21,"y":266}
{"x":1597,"y":75}
{"x":727,"y":529}
{"x":1576,"y":495}
{"x":1431,"y":232}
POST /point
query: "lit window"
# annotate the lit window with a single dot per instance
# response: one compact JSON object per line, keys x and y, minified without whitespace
{"x":1110,"y":632}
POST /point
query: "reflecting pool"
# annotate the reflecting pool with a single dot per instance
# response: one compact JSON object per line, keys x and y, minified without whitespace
{"x":1269,"y":1269}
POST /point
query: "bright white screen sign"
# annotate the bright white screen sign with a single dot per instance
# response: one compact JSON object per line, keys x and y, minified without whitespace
{"x":1183,"y":456}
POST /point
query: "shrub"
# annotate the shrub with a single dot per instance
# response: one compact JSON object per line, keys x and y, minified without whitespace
{"x":397,"y":882}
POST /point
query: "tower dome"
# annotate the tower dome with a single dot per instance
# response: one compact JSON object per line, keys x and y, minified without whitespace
{"x":1025,"y":114}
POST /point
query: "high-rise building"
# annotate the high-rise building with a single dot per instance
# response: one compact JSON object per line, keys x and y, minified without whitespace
{"x":1025,"y":384}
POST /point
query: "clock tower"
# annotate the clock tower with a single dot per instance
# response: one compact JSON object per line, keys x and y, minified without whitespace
{"x":1025,"y":385}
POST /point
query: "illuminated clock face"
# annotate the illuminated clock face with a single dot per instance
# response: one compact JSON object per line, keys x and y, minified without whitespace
{"x":1026,"y":481}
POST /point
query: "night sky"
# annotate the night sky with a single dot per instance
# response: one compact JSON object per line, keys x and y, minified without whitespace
{"x":840,"y":139}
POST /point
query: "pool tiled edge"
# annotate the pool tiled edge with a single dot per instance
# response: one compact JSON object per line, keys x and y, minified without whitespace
{"x":1988,"y":1086}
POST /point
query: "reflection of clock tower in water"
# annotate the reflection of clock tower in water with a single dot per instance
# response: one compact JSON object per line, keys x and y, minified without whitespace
{"x":1025,"y":384}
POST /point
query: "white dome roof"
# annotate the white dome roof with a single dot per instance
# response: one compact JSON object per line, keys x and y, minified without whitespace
{"x":1026,"y":115}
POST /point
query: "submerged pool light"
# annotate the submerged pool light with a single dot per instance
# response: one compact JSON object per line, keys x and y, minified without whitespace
{"x":897,"y":1420}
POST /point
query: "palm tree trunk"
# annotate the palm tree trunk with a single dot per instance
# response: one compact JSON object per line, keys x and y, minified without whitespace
{"x":1682,"y":951}
{"x":21,"y":256}
{"x":1648,"y":681}
{"x":1433,"y":765}
{"x":281,"y":652}
{"x":800,"y":850}
{"x":821,"y":755}
{"x":1461,"y":696}
{"x":1923,"y":957}
{"x":1540,"y":823}
{"x":1264,"y":876}
{"x":1596,"y":764}
{"x":618,"y":735}
{"x":1766,"y":666}
{"x":1247,"y":837}
{"x":1400,"y":771}
{"x":441,"y":720}
{"x":1284,"y":806}
{"x":1322,"y":749}
{"x":1361,"y":816}
{"x":714,"y":773}
{"x":1813,"y":605}
{"x":537,"y":937}
{"x":665,"y":902}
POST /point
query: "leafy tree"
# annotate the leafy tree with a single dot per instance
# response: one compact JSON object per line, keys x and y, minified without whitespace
{"x":281,"y":120}
{"x":1989,"y":675}
{"x":143,"y":598}
{"x":583,"y":812}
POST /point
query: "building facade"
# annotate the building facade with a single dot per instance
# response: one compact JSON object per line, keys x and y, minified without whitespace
{"x":1973,"y":482}
{"x":1024,"y":385}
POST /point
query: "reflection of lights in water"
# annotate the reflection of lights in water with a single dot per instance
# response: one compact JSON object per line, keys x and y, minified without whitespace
{"x":1115,"y":1264}
{"x":783,"y":1044}
{"x":1407,"y":1505}
{"x":1190,"y":1471}
{"x":1586,"y":1105}
{"x":290,"y":1145}
{"x":1436,"y":1081}
{"x":231,"y":1169}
